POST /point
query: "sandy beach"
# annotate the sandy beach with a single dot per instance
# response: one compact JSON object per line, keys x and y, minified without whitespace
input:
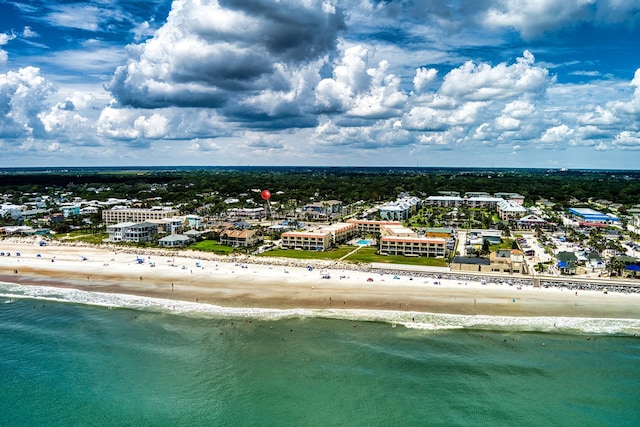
{"x":249,"y":282}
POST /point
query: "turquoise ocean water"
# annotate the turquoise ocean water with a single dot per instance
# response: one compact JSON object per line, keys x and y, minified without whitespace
{"x":72,"y":358}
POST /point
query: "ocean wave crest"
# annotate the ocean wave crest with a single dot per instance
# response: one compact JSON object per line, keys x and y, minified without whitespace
{"x":409,"y":320}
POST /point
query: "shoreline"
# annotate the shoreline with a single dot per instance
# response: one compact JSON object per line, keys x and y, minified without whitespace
{"x":227,"y":282}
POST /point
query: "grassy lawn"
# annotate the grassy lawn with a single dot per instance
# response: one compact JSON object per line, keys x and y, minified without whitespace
{"x":334,"y":254}
{"x":212,"y":246}
{"x":80,"y":236}
{"x":364,"y":255}
{"x":506,"y":244}
{"x":367,"y":255}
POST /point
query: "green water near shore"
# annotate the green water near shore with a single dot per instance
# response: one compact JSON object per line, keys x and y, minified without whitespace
{"x":76,"y":364}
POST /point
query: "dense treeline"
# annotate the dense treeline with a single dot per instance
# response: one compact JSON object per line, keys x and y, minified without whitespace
{"x":346,"y":184}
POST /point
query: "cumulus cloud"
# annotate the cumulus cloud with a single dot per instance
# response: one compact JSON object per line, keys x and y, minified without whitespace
{"x":22,"y":98}
{"x":627,"y":140}
{"x":484,"y":82}
{"x":289,"y":77}
{"x":533,"y":18}
{"x":66,"y":120}
{"x":423,"y":78}
{"x":4,"y":39}
{"x":557,"y":136}
{"x":211,"y":53}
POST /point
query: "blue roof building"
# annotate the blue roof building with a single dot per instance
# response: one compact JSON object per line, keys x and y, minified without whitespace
{"x":590,"y":215}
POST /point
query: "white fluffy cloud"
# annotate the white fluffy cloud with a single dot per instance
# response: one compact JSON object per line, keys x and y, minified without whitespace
{"x":22,"y":98}
{"x":484,"y":82}
{"x":282,"y":78}
{"x":627,"y":140}
{"x":4,"y":39}
{"x":532,"y":18}
{"x":212,"y":54}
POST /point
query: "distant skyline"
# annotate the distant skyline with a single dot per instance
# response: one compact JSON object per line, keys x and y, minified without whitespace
{"x":428,"y":83}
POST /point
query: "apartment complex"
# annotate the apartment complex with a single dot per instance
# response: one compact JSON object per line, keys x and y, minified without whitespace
{"x":320,"y":239}
{"x":473,"y":200}
{"x":119,"y":214}
{"x":399,"y":240}
{"x":370,"y":226}
{"x":401,"y":209}
{"x":413,"y":246}
{"x":510,"y":210}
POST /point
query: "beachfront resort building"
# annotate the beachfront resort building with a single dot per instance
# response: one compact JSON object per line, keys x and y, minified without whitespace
{"x":320,"y":239}
{"x":118,"y":214}
{"x":132,"y":232}
{"x":413,"y":246}
{"x":399,"y":240}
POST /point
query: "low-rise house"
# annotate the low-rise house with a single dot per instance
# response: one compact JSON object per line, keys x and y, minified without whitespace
{"x":193,"y":234}
{"x":240,"y":238}
{"x":474,"y":264}
{"x":508,"y":261}
{"x":567,"y":262}
{"x":132,"y":232}
{"x":174,"y":240}
{"x":70,"y":211}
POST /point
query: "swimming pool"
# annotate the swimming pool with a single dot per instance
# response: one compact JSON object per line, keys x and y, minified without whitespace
{"x":364,"y":242}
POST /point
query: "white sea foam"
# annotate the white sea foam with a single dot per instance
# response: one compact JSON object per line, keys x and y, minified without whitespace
{"x":409,"y":320}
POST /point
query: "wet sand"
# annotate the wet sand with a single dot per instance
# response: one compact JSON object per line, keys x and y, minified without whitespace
{"x":229,"y":283}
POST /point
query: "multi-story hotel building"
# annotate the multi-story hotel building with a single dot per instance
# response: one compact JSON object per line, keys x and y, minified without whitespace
{"x":119,"y":214}
{"x":320,"y":239}
{"x":413,"y":246}
{"x":399,"y":240}
{"x":370,"y":226}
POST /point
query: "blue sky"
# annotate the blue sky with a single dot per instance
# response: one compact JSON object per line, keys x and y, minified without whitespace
{"x":476,"y":83}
